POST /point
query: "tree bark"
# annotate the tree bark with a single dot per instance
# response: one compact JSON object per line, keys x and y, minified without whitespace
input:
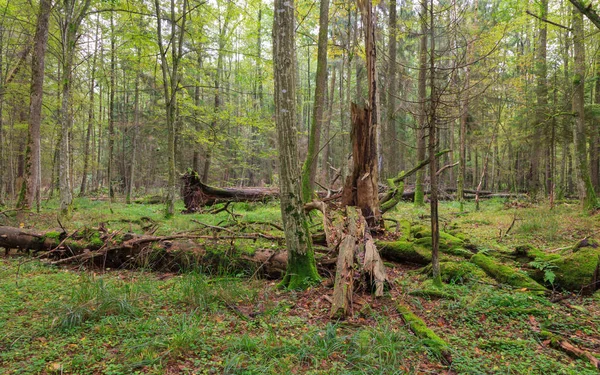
{"x":361,"y":187}
{"x":70,"y":22}
{"x":301,"y":269}
{"x":33,"y":175}
{"x":541,"y":92}
{"x":309,"y":168}
{"x":433,"y":161}
{"x":390,"y":135}
{"x":422,"y":93}
{"x":587,"y":195}
{"x":91,"y":116}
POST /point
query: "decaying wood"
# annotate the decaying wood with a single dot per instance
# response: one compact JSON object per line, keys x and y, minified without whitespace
{"x":197,"y":194}
{"x":560,"y":343}
{"x":356,"y":246}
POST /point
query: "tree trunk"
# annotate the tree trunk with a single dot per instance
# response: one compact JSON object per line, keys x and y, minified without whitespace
{"x":541,"y":92}
{"x":587,"y":194}
{"x":70,"y":22}
{"x":361,"y":187}
{"x":433,"y":161}
{"x":391,"y":168}
{"x":91,"y":117}
{"x":111,"y":110}
{"x":301,"y":269}
{"x":309,"y":168}
{"x":136,"y":130}
{"x":422,"y":117}
{"x":33,"y":175}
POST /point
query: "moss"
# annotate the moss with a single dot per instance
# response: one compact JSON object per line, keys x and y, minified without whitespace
{"x":460,"y":271}
{"x":53,"y":235}
{"x":419,"y":328}
{"x":574,"y":270}
{"x":404,"y":251}
{"x":301,"y":271}
{"x":597,"y":296}
{"x":505,"y":274}
{"x":430,"y":290}
{"x":95,"y":241}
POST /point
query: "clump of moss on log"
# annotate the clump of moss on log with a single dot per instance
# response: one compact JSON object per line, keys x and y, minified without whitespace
{"x":420,"y":329}
{"x":506,"y":274}
{"x":457,"y":272}
{"x":576,"y":269}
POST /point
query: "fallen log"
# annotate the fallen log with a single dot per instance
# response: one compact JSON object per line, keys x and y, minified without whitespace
{"x":197,"y":194}
{"x":576,"y":268}
{"x":420,"y":329}
{"x":507,"y":275}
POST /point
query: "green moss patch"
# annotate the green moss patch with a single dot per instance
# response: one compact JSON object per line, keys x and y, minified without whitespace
{"x":506,"y":274}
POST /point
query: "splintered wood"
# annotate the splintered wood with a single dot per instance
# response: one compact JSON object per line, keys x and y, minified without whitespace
{"x":358,"y":262}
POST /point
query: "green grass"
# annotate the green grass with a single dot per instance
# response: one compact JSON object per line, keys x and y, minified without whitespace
{"x":72,"y":321}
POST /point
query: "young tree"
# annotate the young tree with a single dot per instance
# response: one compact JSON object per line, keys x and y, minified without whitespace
{"x":301,"y":267}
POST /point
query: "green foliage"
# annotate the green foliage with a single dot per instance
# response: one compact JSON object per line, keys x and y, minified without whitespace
{"x":547,"y":268}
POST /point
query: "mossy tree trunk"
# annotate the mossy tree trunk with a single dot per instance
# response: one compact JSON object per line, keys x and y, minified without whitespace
{"x":422,"y":118}
{"x":301,"y":269}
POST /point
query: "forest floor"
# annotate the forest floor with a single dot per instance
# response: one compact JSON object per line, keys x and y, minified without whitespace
{"x":71,"y":320}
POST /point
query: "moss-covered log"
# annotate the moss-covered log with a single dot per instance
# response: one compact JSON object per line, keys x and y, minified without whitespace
{"x":506,"y":274}
{"x":419,"y":328}
{"x":576,"y":269}
{"x":457,"y":272}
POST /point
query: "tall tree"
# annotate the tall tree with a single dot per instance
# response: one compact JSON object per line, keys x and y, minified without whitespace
{"x":309,"y":169}
{"x":91,"y":115}
{"x":301,"y":268}
{"x":390,"y":133}
{"x":72,"y":15}
{"x":541,"y":92}
{"x":33,"y":174}
{"x":171,"y":79}
{"x":587,"y":194}
{"x":422,"y":102}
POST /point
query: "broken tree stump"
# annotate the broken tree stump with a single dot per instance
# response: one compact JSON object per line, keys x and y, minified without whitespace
{"x":358,"y":262}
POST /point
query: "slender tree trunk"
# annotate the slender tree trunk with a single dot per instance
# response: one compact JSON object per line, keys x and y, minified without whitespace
{"x":422,"y":93}
{"x":91,"y":117}
{"x":136,"y":130}
{"x":301,"y":268}
{"x":2,"y":148}
{"x":325,"y":165}
{"x":70,"y":22}
{"x":541,"y":92}
{"x":111,"y":110}
{"x":587,"y":194}
{"x":391,"y":134}
{"x":32,"y":182}
{"x":433,"y":167}
{"x":309,"y":169}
